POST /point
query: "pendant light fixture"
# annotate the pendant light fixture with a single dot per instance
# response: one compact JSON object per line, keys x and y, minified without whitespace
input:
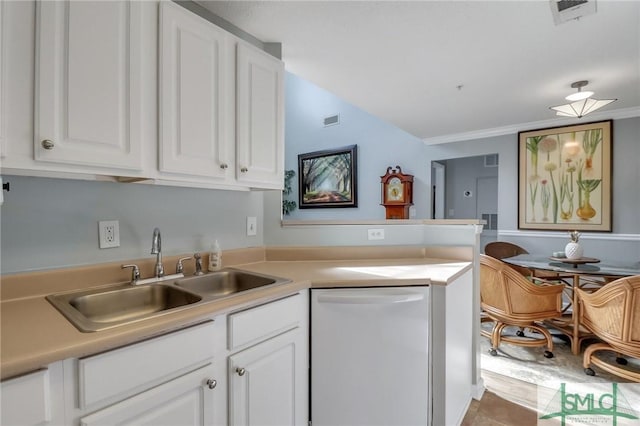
{"x":581,"y":102}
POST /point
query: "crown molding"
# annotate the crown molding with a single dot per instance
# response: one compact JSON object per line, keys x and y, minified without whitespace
{"x":515,"y":128}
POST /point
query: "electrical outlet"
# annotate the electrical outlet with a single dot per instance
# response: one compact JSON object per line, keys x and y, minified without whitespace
{"x":109,"y":233}
{"x":252,"y":226}
{"x":375,"y":234}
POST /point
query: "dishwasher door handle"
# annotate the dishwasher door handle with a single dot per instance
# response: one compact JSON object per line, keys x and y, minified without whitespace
{"x":368,"y":297}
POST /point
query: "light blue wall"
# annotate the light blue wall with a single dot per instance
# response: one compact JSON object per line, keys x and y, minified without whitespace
{"x":51,"y":223}
{"x":380,"y":145}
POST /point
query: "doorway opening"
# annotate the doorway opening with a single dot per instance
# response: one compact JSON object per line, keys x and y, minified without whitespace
{"x":467,"y":188}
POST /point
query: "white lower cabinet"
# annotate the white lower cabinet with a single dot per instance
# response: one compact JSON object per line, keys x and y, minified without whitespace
{"x":249,"y":367}
{"x":187,"y":400}
{"x":33,"y":398}
{"x":268,"y":374}
{"x":167,"y":380}
{"x":263,"y":386}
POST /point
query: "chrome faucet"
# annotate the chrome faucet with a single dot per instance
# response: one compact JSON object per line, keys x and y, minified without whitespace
{"x":156,"y":248}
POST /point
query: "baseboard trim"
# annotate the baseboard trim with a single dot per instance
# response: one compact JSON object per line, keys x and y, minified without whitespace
{"x":477,"y":390}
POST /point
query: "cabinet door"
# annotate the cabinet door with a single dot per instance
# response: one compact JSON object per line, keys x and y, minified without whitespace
{"x":266,"y":383}
{"x":88,"y":88}
{"x":187,"y":400}
{"x":260,"y":118}
{"x":194,"y":57}
{"x":33,"y":399}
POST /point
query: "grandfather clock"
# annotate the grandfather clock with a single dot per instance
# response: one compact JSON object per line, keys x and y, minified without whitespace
{"x":397,"y":193}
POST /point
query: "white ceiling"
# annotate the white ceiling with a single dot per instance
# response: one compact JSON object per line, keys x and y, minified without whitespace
{"x":404,"y":61}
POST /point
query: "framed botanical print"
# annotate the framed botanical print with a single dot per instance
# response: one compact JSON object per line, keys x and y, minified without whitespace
{"x":564,"y":178}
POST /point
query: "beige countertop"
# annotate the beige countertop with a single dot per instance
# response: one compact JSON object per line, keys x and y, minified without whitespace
{"x":34,"y":334}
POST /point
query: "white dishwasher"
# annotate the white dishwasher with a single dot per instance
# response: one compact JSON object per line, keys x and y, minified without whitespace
{"x":370,"y":356}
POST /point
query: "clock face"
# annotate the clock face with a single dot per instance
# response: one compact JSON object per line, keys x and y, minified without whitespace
{"x":395,"y":191}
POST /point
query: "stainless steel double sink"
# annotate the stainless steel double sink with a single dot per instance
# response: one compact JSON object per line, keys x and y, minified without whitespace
{"x":104,"y":308}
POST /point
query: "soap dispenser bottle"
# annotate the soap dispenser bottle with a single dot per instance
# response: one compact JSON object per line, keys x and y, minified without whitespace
{"x":215,"y":257}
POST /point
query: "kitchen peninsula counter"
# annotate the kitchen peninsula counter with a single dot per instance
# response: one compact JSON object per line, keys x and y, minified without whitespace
{"x":34,"y":334}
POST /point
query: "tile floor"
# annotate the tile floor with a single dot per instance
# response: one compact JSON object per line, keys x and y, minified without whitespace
{"x":505,"y":402}
{"x":493,"y":410}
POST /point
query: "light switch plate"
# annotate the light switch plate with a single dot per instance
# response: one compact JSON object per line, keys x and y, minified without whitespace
{"x":252,"y":226}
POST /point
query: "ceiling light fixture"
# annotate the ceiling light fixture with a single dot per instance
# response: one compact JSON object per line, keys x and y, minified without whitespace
{"x":579,"y":95}
{"x":581,"y":104}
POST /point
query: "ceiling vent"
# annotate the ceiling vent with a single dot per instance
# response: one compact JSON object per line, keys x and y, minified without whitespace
{"x":567,"y":10}
{"x":331,"y":121}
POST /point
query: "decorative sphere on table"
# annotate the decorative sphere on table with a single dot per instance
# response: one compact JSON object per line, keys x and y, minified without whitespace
{"x":573,"y":250}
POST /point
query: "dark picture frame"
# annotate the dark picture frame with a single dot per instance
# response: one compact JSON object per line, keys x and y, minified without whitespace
{"x":564,"y":178}
{"x":328,"y":179}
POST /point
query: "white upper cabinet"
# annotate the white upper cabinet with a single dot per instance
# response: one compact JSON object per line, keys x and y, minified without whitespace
{"x":199,"y":66}
{"x":196,"y":84}
{"x":88,"y":83}
{"x":260,"y":118}
{"x":138,"y":90}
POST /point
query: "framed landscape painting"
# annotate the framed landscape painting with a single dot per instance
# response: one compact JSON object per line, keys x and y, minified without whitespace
{"x":564,"y":178}
{"x":328,"y":178}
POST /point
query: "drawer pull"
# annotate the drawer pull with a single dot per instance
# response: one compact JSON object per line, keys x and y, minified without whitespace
{"x":212,"y":383}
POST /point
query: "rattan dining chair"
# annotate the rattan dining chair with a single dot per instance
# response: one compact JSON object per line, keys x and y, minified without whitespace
{"x":509,"y":299}
{"x":612,"y":313}
{"x":504,"y":249}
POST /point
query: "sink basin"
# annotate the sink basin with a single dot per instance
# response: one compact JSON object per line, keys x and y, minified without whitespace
{"x":95,"y":310}
{"x":227,"y":282}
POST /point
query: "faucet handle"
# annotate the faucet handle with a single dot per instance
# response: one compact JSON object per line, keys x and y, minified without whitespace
{"x":135,"y":272}
{"x":198,"y":258}
{"x":179,"y":267}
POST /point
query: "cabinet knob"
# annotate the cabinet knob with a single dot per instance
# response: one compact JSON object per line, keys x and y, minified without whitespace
{"x":240,"y":371}
{"x":212,"y":383}
{"x":244,"y":169}
{"x":48,"y":144}
{"x":223,"y":166}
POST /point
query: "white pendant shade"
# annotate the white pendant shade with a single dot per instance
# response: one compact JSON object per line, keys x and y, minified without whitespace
{"x":578,"y":96}
{"x":581,"y":108}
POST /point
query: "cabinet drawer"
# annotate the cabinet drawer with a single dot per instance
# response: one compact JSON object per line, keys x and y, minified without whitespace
{"x":259,"y":323}
{"x":26,"y":399}
{"x":137,"y":367}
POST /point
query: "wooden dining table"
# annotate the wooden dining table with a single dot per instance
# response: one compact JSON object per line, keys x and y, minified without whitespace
{"x":584,"y":271}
